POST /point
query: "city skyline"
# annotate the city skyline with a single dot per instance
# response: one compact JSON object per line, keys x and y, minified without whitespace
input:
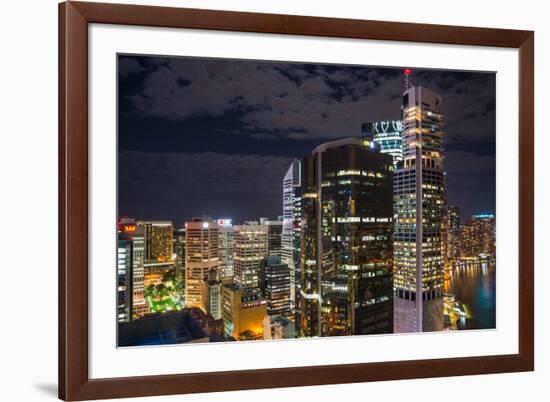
{"x":256,"y":305}
{"x":168,"y":124}
{"x":359,"y":235}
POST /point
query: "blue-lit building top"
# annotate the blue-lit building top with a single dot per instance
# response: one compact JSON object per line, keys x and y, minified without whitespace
{"x":483,"y":216}
{"x":387,"y":135}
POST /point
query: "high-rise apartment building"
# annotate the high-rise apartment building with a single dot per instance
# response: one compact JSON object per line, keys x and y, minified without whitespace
{"x":158,"y":240}
{"x":226,"y":244}
{"x":450,"y":235}
{"x":478,"y":237}
{"x":201,"y":257}
{"x":250,"y":248}
{"x":387,"y":135}
{"x":419,"y":199}
{"x":487,"y":223}
{"x":275,"y":285}
{"x":243,"y":312}
{"x":346,"y":244}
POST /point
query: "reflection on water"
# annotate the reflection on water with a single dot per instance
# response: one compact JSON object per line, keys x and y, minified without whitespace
{"x":474,"y":284}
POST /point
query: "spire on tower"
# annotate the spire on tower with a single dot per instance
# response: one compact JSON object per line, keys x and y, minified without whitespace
{"x":407,"y":72}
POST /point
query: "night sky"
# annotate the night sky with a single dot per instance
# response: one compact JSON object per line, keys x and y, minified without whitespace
{"x":215,"y":136}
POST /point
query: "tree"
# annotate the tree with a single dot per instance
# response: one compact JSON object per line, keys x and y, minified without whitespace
{"x":162,"y":291}
{"x":169,"y":276}
{"x":150,"y":291}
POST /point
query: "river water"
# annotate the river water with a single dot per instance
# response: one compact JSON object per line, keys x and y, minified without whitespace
{"x":474,"y":285}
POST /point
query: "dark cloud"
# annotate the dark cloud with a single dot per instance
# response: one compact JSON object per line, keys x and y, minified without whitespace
{"x":128,"y":65}
{"x":292,"y":100}
{"x":283,"y":110}
{"x":301,"y":100}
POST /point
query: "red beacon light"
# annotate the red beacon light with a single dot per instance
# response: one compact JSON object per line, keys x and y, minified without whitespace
{"x":407,"y":72}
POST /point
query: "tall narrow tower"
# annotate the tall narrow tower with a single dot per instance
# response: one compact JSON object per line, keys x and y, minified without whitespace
{"x":201,"y":257}
{"x":290,"y":237}
{"x":226,"y":248}
{"x":419,"y":199}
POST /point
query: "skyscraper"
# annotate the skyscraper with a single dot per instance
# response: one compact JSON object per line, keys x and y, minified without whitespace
{"x":251,"y":246}
{"x":290,"y":236}
{"x":450,"y":235}
{"x":158,"y":240}
{"x":387,"y":135}
{"x":478,"y":237}
{"x":201,"y":256}
{"x":275,"y":285}
{"x":346,"y":240}
{"x":132,"y":235}
{"x":179,"y":252}
{"x":487,"y":225}
{"x":274,"y":235}
{"x":226,"y":244}
{"x":419,"y":199}
{"x":124,"y":279}
{"x":308,"y":280}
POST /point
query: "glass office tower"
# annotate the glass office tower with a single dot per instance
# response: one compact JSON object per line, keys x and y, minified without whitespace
{"x":346,"y":243}
{"x":275,"y":286}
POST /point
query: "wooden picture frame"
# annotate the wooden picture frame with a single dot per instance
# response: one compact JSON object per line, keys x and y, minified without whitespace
{"x":74,"y":381}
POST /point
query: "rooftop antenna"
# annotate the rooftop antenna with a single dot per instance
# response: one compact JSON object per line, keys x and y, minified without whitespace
{"x":407,"y":72}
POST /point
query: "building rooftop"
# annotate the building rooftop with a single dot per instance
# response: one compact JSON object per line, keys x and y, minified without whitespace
{"x":483,"y":216}
{"x":273,"y":260}
{"x":185,"y":326}
{"x":339,"y":143}
{"x":232,"y":286}
{"x":160,"y":329}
